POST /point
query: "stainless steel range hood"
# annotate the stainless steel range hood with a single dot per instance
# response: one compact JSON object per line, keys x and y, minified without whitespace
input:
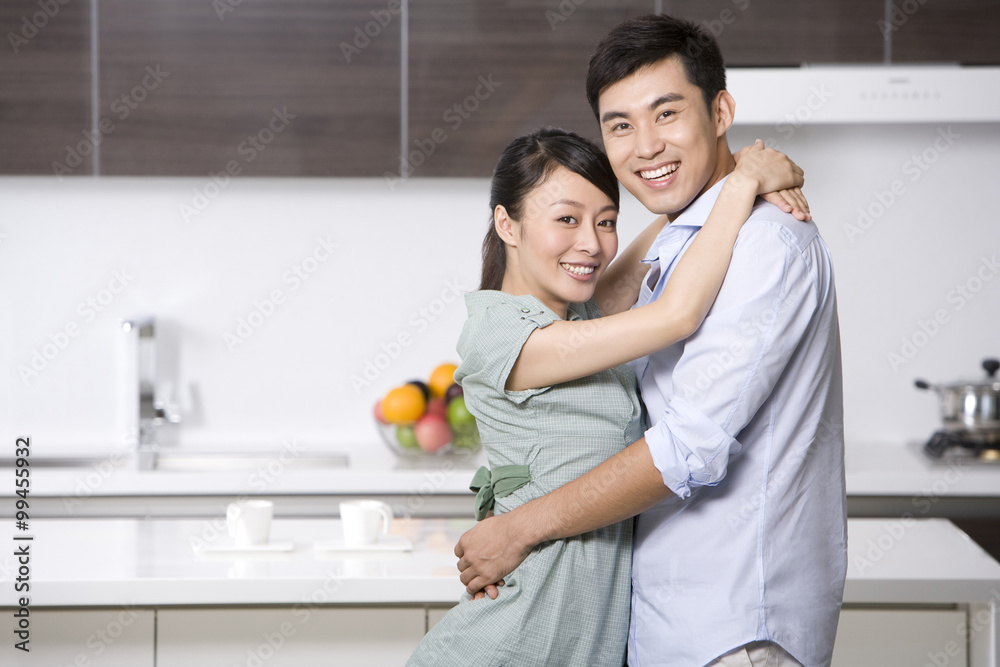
{"x":865,"y":94}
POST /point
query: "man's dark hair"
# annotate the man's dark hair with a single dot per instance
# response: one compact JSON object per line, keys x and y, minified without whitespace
{"x":646,"y":40}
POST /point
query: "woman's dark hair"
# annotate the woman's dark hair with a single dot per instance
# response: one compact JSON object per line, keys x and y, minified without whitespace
{"x":527,"y":162}
{"x":646,"y":40}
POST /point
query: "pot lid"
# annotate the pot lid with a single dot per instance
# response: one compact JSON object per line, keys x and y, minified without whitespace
{"x":989,"y":383}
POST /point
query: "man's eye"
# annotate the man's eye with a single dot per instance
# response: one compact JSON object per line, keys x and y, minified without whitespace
{"x":619,"y":126}
{"x":665,"y":114}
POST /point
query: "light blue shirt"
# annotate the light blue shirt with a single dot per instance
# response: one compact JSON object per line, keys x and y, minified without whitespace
{"x":747,"y":431}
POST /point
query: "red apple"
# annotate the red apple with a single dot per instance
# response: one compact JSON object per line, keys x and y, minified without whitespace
{"x":437,"y":406}
{"x":379,"y":417}
{"x":432,"y":432}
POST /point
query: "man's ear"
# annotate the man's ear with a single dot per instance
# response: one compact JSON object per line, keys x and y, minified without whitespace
{"x":504,"y":225}
{"x":723,"y":112}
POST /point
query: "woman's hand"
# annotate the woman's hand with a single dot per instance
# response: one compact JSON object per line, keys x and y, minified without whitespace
{"x":778,"y":179}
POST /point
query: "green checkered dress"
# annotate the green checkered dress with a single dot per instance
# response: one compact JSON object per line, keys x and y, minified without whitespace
{"x":568,"y":603}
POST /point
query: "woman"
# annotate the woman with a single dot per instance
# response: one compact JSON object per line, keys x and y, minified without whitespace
{"x":540,"y":366}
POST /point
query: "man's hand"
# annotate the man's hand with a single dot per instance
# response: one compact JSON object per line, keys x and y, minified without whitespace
{"x":489,"y":551}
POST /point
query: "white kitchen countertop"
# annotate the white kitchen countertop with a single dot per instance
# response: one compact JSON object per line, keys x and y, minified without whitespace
{"x":888,"y":470}
{"x":134,"y":562}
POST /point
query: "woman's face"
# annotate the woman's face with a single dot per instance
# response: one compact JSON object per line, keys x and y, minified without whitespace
{"x":564,"y":241}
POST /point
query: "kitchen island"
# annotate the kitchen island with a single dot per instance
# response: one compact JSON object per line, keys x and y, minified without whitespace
{"x":153,"y":592}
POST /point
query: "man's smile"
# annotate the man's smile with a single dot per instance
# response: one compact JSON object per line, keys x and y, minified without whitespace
{"x":663,"y":172}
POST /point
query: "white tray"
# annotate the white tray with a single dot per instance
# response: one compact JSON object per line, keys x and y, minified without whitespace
{"x":387,"y":543}
{"x":230,"y":547}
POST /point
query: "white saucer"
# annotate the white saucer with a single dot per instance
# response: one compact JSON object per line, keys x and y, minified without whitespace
{"x":230,"y":547}
{"x":386,"y":543}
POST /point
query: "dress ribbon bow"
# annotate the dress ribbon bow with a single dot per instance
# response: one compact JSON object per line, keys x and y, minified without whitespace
{"x":497,"y":483}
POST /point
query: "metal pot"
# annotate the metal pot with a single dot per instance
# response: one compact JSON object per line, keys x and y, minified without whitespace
{"x":972,"y":407}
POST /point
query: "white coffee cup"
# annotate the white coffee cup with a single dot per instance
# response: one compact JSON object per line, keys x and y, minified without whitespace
{"x":361,"y":520}
{"x":249,"y":522}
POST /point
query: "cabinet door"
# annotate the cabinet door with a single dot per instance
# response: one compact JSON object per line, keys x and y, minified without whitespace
{"x":957,"y":31}
{"x":287,"y":636}
{"x":249,"y":87}
{"x":788,"y":32}
{"x":45,"y":88}
{"x":97,"y":638}
{"x":483,"y":73}
{"x":880,"y":637}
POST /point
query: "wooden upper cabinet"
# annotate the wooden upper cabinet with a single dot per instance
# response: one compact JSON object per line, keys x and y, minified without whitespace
{"x":484,"y":73}
{"x":315,"y":87}
{"x":45,"y":84}
{"x":956,"y":31}
{"x":789,"y":32}
{"x":255,"y":87}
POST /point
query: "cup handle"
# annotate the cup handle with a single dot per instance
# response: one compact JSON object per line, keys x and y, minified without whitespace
{"x":386,"y":513}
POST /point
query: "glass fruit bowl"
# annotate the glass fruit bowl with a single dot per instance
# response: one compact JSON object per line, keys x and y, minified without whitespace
{"x":403,"y":440}
{"x":420,"y":419}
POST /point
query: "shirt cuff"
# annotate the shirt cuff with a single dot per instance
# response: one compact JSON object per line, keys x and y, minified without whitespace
{"x":688,"y":448}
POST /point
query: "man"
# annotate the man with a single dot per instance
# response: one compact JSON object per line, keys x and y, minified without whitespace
{"x":740,"y":547}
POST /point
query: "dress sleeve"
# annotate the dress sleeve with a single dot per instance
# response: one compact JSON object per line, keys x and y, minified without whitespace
{"x":492,"y":343}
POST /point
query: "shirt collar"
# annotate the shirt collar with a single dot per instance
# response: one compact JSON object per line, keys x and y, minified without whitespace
{"x":694,"y":215}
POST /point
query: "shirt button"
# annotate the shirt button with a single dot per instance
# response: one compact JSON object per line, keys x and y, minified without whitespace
{"x":525,"y":310}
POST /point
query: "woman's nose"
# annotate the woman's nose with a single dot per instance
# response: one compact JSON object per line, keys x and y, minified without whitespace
{"x":587,"y":241}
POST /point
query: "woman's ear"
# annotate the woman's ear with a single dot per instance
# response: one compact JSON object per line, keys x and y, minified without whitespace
{"x":504,"y":225}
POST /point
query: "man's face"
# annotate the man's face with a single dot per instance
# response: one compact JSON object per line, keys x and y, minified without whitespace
{"x":662,"y":141}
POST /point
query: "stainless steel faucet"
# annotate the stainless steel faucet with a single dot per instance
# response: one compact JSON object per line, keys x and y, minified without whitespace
{"x":152,"y":410}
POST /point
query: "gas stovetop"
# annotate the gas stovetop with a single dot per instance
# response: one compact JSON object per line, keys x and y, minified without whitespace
{"x":949,"y":445}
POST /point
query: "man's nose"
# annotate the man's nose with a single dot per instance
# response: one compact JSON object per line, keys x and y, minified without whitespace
{"x":648,"y":143}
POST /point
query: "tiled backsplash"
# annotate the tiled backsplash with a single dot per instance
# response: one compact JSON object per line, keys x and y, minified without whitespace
{"x":287,"y":307}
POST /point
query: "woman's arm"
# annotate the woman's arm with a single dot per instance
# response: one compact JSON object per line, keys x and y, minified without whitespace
{"x":566,"y":351}
{"x":618,"y":289}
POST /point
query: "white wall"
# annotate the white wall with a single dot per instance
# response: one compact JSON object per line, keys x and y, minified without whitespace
{"x":403,"y":252}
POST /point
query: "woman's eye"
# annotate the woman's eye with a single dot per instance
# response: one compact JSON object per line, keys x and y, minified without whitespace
{"x":567,"y":219}
{"x":608,"y":223}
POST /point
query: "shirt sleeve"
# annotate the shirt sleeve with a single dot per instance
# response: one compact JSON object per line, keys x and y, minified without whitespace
{"x":494,"y":343}
{"x":729,"y":367}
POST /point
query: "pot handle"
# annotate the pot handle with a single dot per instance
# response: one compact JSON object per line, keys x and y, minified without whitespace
{"x":991,"y":366}
{"x":922,"y":384}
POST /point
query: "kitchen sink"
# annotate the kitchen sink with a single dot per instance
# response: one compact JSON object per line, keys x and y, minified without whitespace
{"x":221,"y":461}
{"x":194,"y":461}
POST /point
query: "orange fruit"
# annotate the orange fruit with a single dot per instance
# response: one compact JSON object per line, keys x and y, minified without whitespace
{"x":442,"y":378}
{"x":403,"y":404}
